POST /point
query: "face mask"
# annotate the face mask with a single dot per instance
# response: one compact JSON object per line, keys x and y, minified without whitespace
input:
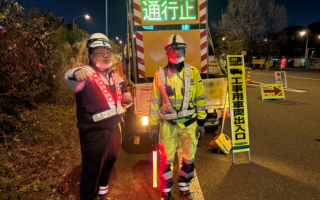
{"x":176,"y":61}
{"x":100,"y":65}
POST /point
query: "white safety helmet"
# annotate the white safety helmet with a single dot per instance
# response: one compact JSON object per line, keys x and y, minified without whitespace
{"x":98,"y":40}
{"x":175,"y":41}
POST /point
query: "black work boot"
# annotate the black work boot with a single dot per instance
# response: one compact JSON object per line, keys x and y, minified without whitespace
{"x":186,"y":195}
{"x":165,"y":196}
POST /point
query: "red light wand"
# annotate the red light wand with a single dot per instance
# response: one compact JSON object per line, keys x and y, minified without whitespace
{"x":155,"y":162}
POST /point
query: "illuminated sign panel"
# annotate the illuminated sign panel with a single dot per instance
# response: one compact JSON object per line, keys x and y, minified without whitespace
{"x":169,"y":12}
{"x":235,"y":61}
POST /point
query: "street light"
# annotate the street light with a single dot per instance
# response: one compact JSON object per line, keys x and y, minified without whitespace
{"x":120,"y":41}
{"x":117,"y":38}
{"x":86,"y":16}
{"x":223,"y":38}
{"x":302,"y":33}
{"x":265,"y":40}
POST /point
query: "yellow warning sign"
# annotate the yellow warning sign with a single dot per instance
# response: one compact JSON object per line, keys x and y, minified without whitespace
{"x":155,"y":55}
{"x":238,"y":104}
{"x":261,"y":62}
{"x":272,"y":91}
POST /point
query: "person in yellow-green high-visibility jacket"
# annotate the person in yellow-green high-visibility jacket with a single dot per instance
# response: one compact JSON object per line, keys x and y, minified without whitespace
{"x":178,"y":104}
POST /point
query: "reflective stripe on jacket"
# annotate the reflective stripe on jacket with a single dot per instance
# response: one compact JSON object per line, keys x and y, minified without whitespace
{"x":175,"y":84}
{"x":93,"y":110}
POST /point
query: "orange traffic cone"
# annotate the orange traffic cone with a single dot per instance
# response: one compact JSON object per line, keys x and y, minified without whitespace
{"x":249,"y":78}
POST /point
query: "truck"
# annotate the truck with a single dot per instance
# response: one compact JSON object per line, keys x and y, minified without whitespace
{"x":149,"y":24}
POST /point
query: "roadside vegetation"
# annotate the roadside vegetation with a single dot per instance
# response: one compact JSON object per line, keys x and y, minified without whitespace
{"x":39,"y":144}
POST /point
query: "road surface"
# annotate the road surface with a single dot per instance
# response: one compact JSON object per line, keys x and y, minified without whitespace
{"x":285,"y":148}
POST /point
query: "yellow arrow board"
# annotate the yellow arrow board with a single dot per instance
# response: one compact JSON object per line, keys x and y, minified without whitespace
{"x":238,"y":104}
{"x":272,"y":91}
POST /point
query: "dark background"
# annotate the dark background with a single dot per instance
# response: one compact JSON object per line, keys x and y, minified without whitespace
{"x":300,"y":13}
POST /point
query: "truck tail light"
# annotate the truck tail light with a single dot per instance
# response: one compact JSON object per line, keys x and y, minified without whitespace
{"x":145,"y":121}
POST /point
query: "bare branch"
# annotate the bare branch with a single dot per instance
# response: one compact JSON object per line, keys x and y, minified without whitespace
{"x":245,"y":23}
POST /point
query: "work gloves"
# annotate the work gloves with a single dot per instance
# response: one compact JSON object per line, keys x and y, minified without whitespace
{"x":82,"y":74}
{"x":200,"y":131}
{"x":154,"y":134}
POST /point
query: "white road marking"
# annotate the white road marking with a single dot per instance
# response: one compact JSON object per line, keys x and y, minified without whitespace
{"x":257,"y":84}
{"x":295,"y":90}
{"x":291,"y":76}
{"x":195,"y":188}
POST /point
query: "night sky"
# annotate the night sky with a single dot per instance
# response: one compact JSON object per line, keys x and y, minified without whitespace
{"x":300,"y":12}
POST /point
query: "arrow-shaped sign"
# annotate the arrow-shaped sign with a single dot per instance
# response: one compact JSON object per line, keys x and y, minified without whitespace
{"x":275,"y":90}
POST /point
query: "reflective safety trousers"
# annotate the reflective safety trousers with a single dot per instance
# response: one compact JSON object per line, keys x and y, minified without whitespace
{"x":176,"y":86}
{"x":170,"y":136}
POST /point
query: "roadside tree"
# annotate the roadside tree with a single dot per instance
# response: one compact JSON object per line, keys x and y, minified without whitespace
{"x":246,"y":25}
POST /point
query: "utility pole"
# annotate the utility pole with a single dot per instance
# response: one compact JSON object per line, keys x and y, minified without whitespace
{"x":107,"y":18}
{"x":306,"y":53}
{"x":302,"y":33}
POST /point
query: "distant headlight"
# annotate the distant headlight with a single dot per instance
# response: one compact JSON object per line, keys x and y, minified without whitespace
{"x":145,"y":121}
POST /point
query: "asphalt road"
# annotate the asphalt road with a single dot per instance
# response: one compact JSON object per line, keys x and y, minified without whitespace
{"x":285,"y":148}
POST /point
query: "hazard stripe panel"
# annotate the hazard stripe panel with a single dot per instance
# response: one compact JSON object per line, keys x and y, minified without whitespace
{"x":204,"y":55}
{"x":203,"y":11}
{"x":140,"y":54}
{"x":137,"y":12}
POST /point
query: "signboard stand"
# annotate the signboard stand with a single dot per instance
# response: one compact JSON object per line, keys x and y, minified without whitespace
{"x":234,"y":159}
{"x":271,"y":90}
{"x":281,"y":77}
{"x":238,"y":105}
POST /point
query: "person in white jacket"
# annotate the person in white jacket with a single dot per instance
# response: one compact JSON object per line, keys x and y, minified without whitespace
{"x":101,"y":101}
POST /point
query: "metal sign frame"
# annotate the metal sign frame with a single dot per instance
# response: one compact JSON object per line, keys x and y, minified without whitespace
{"x":136,"y":25}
